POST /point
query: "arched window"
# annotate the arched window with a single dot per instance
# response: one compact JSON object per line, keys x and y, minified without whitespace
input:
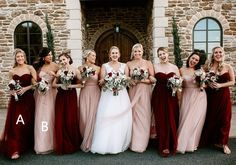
{"x":28,"y":36}
{"x":207,"y":34}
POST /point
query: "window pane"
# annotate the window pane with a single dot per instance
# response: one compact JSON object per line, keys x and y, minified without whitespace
{"x":35,"y":39}
{"x":21,"y":39}
{"x":28,"y":36}
{"x":199,"y":36}
{"x":214,"y":36}
{"x":200,"y":46}
{"x":34,"y":28}
{"x":212,"y":24}
{"x":22,"y":28}
{"x":201,"y":25}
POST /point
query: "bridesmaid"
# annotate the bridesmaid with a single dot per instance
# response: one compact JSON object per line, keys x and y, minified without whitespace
{"x":88,"y":99}
{"x":193,"y":106}
{"x":67,"y":134}
{"x":140,"y":95}
{"x":165,"y":106}
{"x":18,"y":135}
{"x":219,"y":107}
{"x":45,"y":104}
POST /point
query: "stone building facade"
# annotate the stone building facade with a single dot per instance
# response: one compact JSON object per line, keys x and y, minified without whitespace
{"x":97,"y":24}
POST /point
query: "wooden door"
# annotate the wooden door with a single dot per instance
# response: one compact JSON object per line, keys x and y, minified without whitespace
{"x":124,"y":40}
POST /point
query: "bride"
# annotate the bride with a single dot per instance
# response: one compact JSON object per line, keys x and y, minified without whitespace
{"x":112,"y":133}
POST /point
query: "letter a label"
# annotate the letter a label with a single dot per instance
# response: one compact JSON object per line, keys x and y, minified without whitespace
{"x":20,"y":120}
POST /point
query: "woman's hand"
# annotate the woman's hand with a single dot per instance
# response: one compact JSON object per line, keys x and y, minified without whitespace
{"x":101,"y":82}
{"x":215,"y":85}
{"x":21,"y":91}
{"x":152,"y":79}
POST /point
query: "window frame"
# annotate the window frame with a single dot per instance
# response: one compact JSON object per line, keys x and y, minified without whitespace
{"x":207,"y":30}
{"x":28,"y":44}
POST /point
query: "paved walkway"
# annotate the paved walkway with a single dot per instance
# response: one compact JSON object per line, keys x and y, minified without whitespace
{"x":209,"y":156}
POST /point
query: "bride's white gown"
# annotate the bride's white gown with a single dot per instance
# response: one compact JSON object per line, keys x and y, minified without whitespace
{"x":113,"y":126}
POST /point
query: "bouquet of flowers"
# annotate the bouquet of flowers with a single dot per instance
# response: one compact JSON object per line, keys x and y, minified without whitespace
{"x":66,"y":76}
{"x":87,"y":72}
{"x":175,"y":83}
{"x":15,"y":85}
{"x":115,"y":81}
{"x":200,"y":78}
{"x":211,"y":77}
{"x":139,"y":74}
{"x":42,"y":86}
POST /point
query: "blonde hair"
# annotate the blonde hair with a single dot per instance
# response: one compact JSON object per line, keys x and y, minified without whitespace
{"x":87,"y":53}
{"x":138,"y":45}
{"x":164,"y":49}
{"x":113,"y":47}
{"x":210,"y":64}
{"x":16,"y":51}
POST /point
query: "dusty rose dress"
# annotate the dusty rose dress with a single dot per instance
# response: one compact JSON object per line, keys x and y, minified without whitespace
{"x":192,"y":115}
{"x":44,"y":117}
{"x":88,"y":100}
{"x":140,"y":96}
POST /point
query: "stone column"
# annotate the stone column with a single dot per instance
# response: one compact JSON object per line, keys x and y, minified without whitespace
{"x":160,"y":22}
{"x":74,"y":43}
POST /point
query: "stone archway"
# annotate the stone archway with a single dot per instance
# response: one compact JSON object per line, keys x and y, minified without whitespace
{"x":124,"y":39}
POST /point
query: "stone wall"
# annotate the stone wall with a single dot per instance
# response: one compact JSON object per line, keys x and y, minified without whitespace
{"x":16,"y":11}
{"x":102,"y":18}
{"x":188,"y":14}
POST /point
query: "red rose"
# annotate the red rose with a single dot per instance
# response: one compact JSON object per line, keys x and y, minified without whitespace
{"x":110,"y":74}
{"x":93,"y":72}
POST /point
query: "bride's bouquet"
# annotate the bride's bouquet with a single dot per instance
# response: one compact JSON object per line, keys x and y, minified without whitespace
{"x":139,"y":74}
{"x":115,"y":81}
{"x":66,"y":77}
{"x":87,"y":72}
{"x":175,"y":83}
{"x":15,"y":85}
{"x":199,"y":77}
{"x":42,"y":86}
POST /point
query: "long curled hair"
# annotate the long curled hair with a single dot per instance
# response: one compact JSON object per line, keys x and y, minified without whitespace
{"x":16,"y":51}
{"x":211,"y":62}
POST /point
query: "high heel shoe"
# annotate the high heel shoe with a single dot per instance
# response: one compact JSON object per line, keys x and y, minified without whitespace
{"x":226,"y":149}
{"x":165,"y":153}
{"x":15,"y":155}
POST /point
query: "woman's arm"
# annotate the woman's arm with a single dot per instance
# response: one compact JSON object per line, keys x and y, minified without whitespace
{"x":229,"y":83}
{"x":102,"y":75}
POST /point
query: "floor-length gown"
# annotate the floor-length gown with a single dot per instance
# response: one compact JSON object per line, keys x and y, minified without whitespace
{"x":18,"y":135}
{"x":112,"y":132}
{"x":89,"y":97}
{"x":166,"y":112}
{"x":192,"y":115}
{"x":140,"y":96}
{"x":219,"y":110}
{"x":44,"y":116}
{"x":67,"y":134}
